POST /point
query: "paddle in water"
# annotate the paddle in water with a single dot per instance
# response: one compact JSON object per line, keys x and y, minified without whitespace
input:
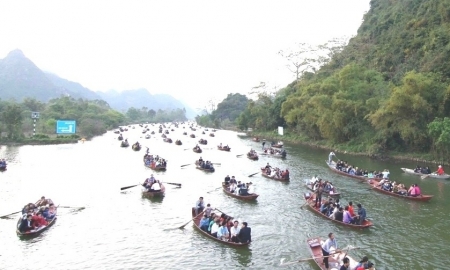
{"x":185,"y":165}
{"x":252,"y":174}
{"x":5,"y":216}
{"x":176,"y":184}
{"x":81,"y":207}
{"x":239,"y":155}
{"x":123,"y":188}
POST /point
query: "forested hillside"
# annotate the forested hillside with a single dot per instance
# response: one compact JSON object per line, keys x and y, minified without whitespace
{"x":389,"y":89}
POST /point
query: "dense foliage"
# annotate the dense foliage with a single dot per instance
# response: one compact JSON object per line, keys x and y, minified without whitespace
{"x":388,"y":89}
{"x":226,"y":113}
{"x":94,"y":117}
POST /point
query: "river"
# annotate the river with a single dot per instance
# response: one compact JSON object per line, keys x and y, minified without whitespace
{"x":122,"y":230}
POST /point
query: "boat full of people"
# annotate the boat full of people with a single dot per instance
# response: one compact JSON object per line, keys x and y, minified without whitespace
{"x":224,"y":148}
{"x":395,"y":189}
{"x":343,"y":168}
{"x":124,"y":143}
{"x":155,"y":162}
{"x":153,"y":188}
{"x":327,"y":187}
{"x":203,"y":165}
{"x":426,"y":172}
{"x":275,"y":173}
{"x":238,"y":190}
{"x":273,"y":152}
{"x":136,"y":146}
{"x":336,"y":213}
{"x":36,"y":218}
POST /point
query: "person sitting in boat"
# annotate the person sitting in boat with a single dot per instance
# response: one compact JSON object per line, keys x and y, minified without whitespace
{"x":204,"y":223}
{"x":363,"y":263}
{"x":208,"y":210}
{"x":220,"y":145}
{"x":387,"y":186}
{"x":243,"y":190}
{"x":385,"y":174}
{"x":227,"y":180}
{"x":26,"y":224}
{"x":339,"y":215}
{"x":223,"y":233}
{"x":39,"y":220}
{"x":414,"y":190}
{"x":155,"y":187}
{"x":232,"y":188}
{"x":314,"y":180}
{"x":51,"y":211}
{"x":199,"y":206}
{"x":234,"y":232}
{"x":43,"y":202}
{"x":335,"y":210}
{"x":327,"y":187}
{"x":348,"y":219}
{"x":285,"y":174}
{"x":418,"y":169}
{"x":250,"y":189}
{"x":233,"y":180}
{"x":215,"y":227}
{"x":440,"y":170}
{"x":244,"y":235}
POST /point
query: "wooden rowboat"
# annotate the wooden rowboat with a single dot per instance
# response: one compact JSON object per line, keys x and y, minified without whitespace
{"x":311,"y":200}
{"x":252,"y":156}
{"x":374,"y":184}
{"x":431,"y":175}
{"x":241,"y":197}
{"x":192,"y":136}
{"x":309,"y":186}
{"x":178,"y":142}
{"x":201,"y":141}
{"x":136,"y":147}
{"x":211,"y":134}
{"x":211,"y":169}
{"x":223,"y":148}
{"x":335,"y":261}
{"x":197,"y":220}
{"x":36,"y":232}
{"x":263,"y":173}
{"x":124,"y":144}
{"x":332,"y":167}
{"x":197,"y":150}
{"x":160,"y":193}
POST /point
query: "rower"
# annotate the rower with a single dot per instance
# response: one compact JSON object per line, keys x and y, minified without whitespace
{"x":227,"y":180}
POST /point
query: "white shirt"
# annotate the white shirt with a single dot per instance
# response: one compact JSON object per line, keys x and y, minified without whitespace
{"x":232,"y":187}
{"x":235,"y":231}
{"x":331,"y":154}
{"x":156,"y":186}
{"x":385,"y":175}
{"x":251,"y":189}
{"x":214,"y":228}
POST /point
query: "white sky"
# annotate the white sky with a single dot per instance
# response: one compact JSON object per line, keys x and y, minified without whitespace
{"x":193,"y":50}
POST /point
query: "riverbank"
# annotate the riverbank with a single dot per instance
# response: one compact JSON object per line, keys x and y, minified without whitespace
{"x":40,"y":139}
{"x":357,"y":150}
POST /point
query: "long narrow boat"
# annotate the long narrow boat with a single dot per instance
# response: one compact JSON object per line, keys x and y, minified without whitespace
{"x":332,"y":167}
{"x":310,"y":201}
{"x":211,"y":169}
{"x":36,"y":232}
{"x":252,"y":156}
{"x":263,"y":173}
{"x":431,"y":175}
{"x":335,"y":261}
{"x":197,"y":220}
{"x":241,"y":197}
{"x":309,"y":186}
{"x":422,"y":198}
{"x":160,"y":193}
{"x":224,"y":148}
{"x":275,"y":155}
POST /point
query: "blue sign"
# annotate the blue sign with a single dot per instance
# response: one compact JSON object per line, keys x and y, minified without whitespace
{"x":66,"y":126}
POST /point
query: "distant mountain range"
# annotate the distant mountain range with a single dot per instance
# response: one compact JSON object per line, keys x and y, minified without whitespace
{"x":21,"y":78}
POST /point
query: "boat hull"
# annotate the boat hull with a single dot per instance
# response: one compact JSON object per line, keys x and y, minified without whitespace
{"x":432,"y":175}
{"x":263,"y":173}
{"x":240,"y":197}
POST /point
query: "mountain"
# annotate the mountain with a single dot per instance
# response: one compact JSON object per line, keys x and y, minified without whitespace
{"x":139,"y":98}
{"x":73,"y":89}
{"x":20,"y":78}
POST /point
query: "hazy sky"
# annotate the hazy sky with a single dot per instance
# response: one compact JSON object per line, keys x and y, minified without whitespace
{"x":193,"y":50}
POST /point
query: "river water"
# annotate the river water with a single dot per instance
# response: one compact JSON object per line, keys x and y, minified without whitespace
{"x":122,"y":230}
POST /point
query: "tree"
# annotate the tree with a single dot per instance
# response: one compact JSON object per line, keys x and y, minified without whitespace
{"x":12,"y":118}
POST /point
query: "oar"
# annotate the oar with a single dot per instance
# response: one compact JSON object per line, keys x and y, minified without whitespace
{"x":313,"y":258}
{"x":216,"y":163}
{"x":239,"y":155}
{"x":176,"y":184}
{"x":185,"y":165}
{"x":252,"y":174}
{"x":123,"y":188}
{"x":222,"y":212}
{"x":184,"y":225}
{"x":82,"y":207}
{"x":425,"y":176}
{"x":11,"y":214}
{"x":213,"y":190}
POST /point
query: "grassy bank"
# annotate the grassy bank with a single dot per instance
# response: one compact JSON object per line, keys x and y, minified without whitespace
{"x":352,"y":148}
{"x":41,"y":139}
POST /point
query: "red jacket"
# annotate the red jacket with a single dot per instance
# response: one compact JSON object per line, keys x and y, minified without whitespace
{"x":39,"y":221}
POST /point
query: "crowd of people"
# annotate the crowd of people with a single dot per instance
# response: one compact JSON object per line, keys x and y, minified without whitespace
{"x":154,"y":161}
{"x":318,"y":184}
{"x":37,"y":215}
{"x":207,"y":165}
{"x":334,"y":210}
{"x":399,"y":188}
{"x":275,"y":151}
{"x":343,"y":166}
{"x":238,"y":188}
{"x":221,"y":226}
{"x":276,"y":172}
